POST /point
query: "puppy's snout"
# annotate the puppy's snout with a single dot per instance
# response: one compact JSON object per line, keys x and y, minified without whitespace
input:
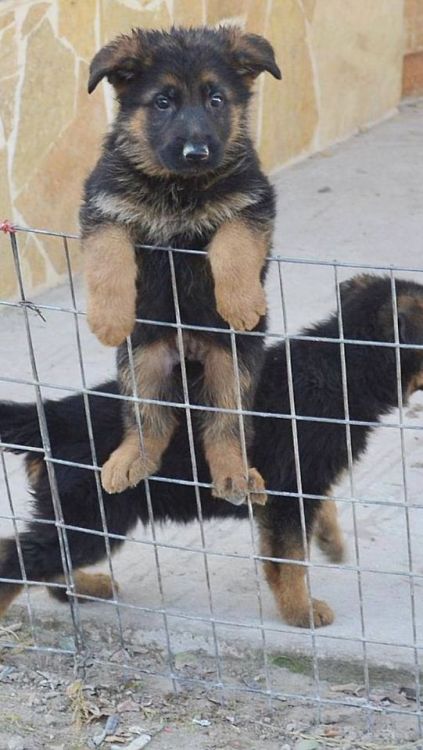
{"x":195,"y":152}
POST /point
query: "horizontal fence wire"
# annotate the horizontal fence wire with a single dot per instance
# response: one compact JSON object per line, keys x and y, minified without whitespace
{"x":261,"y":628}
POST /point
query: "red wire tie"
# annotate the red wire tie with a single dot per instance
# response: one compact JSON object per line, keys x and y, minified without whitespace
{"x":7,"y":227}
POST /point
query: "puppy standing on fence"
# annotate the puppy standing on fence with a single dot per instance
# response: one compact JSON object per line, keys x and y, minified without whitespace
{"x":179,"y":169}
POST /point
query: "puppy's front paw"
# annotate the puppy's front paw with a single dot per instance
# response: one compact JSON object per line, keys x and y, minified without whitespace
{"x":123,"y":470}
{"x":111,"y":323}
{"x":241,"y":308}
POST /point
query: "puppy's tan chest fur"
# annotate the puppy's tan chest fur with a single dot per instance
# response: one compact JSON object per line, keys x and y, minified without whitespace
{"x":159,"y":219}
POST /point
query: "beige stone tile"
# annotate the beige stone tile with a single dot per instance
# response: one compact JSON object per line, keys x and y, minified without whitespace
{"x":8,"y":285}
{"x":47,"y":100}
{"x":77,"y":20}
{"x":33,"y":263}
{"x":224,"y":9}
{"x":8,"y":52}
{"x":118,"y":18}
{"x":309,"y":8}
{"x":358,"y":53}
{"x":7,"y":103}
{"x":5,"y":200}
{"x":33,"y":16}
{"x":6,"y":18}
{"x":289,"y":106}
{"x":188,"y":13}
{"x":256,"y":17}
{"x":52,"y":197}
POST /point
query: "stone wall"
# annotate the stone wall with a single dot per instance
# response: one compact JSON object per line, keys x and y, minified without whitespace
{"x":342,"y":65}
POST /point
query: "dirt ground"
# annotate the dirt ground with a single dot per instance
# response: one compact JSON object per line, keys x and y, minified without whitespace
{"x":111,"y":698}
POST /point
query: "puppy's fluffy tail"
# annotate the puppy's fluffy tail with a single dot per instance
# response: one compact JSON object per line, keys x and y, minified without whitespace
{"x":66,"y":423}
{"x":19,"y":426}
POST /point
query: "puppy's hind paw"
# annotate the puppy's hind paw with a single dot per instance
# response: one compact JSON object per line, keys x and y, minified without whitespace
{"x":301,"y":617}
{"x":236,"y":487}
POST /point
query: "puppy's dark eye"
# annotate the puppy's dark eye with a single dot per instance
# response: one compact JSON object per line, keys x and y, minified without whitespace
{"x":216,"y":100}
{"x":162,"y":102}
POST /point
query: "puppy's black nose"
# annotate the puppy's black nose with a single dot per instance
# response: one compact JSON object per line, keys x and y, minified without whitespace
{"x":195,"y":152}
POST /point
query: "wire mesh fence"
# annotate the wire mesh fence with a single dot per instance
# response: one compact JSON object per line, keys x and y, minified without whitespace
{"x":265,"y":635}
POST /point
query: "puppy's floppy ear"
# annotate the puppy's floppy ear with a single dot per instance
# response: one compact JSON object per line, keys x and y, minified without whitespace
{"x":118,"y":61}
{"x":253,"y":55}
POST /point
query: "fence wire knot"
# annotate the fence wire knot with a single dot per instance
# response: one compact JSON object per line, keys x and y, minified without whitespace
{"x":7,"y":227}
{"x":32,"y":306}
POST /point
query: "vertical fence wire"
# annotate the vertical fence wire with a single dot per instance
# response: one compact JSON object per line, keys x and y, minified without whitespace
{"x":152,"y":520}
{"x":250,"y":512}
{"x":58,"y":511}
{"x":298,"y":475}
{"x":180,"y":344}
{"x":344,"y":378}
{"x":93,"y":451}
{"x":406,"y":497}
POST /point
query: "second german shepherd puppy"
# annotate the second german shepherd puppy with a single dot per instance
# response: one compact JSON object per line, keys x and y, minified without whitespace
{"x":179,"y":169}
{"x":323,"y":452}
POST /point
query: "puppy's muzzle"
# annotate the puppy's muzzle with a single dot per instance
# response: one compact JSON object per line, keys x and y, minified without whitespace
{"x":195,"y":152}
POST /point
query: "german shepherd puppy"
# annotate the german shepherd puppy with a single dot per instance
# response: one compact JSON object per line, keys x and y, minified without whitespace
{"x":372,"y":388}
{"x":179,"y":170}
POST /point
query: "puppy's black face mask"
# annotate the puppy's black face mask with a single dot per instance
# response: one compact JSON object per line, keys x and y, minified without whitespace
{"x":185,"y":127}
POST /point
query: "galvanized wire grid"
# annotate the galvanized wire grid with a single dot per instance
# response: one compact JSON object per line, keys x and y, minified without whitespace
{"x":78,"y":647}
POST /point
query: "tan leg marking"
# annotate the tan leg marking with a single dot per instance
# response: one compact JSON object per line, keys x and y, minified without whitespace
{"x":131,"y":462}
{"x":98,"y":585}
{"x":34,"y":469}
{"x":237,"y":255}
{"x":110,"y":273}
{"x":8,"y":592}
{"x":221,"y":435}
{"x":328,"y":532}
{"x":288,"y":585}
